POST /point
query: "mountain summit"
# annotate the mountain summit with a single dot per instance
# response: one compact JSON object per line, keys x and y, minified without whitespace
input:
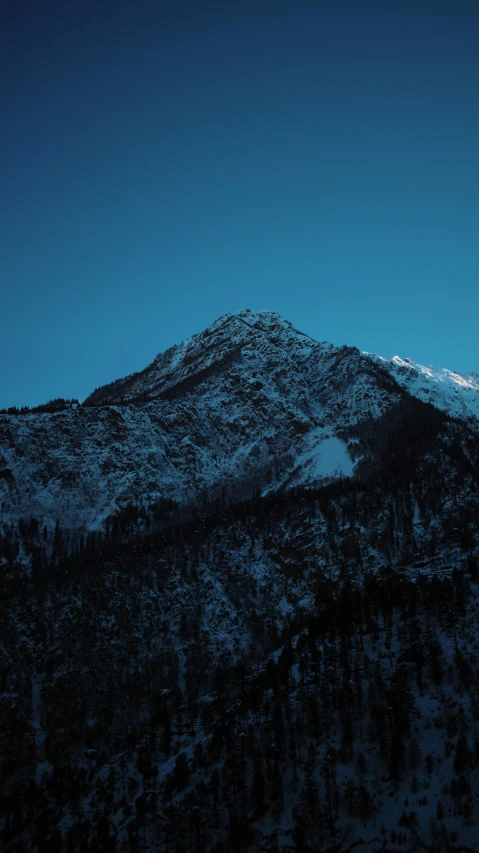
{"x":250,"y":404}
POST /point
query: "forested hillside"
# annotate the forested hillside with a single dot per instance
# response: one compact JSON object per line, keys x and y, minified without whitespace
{"x":363,"y":723}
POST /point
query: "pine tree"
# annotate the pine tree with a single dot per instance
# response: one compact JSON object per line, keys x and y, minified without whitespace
{"x":462,"y":757}
{"x":414,"y":753}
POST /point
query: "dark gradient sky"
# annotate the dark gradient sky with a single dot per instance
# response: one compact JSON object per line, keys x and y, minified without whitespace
{"x":162,"y":165}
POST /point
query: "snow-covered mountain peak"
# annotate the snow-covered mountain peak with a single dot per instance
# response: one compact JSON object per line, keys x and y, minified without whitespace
{"x":248,"y":337}
{"x":249,"y":403}
{"x":266,"y":321}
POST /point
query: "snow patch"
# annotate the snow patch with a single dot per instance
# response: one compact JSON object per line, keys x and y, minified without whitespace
{"x":330,"y":458}
{"x":324,"y":457}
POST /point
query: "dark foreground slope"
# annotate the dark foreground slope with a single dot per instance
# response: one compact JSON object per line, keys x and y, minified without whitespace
{"x":124,"y":728}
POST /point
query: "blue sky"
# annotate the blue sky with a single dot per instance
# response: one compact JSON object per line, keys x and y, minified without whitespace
{"x":165,"y":164}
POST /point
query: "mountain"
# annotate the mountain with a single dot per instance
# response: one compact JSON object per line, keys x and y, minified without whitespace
{"x":240,"y":604}
{"x":250,"y":403}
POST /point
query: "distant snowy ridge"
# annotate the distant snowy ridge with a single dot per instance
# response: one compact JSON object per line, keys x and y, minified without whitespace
{"x":454,"y":394}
